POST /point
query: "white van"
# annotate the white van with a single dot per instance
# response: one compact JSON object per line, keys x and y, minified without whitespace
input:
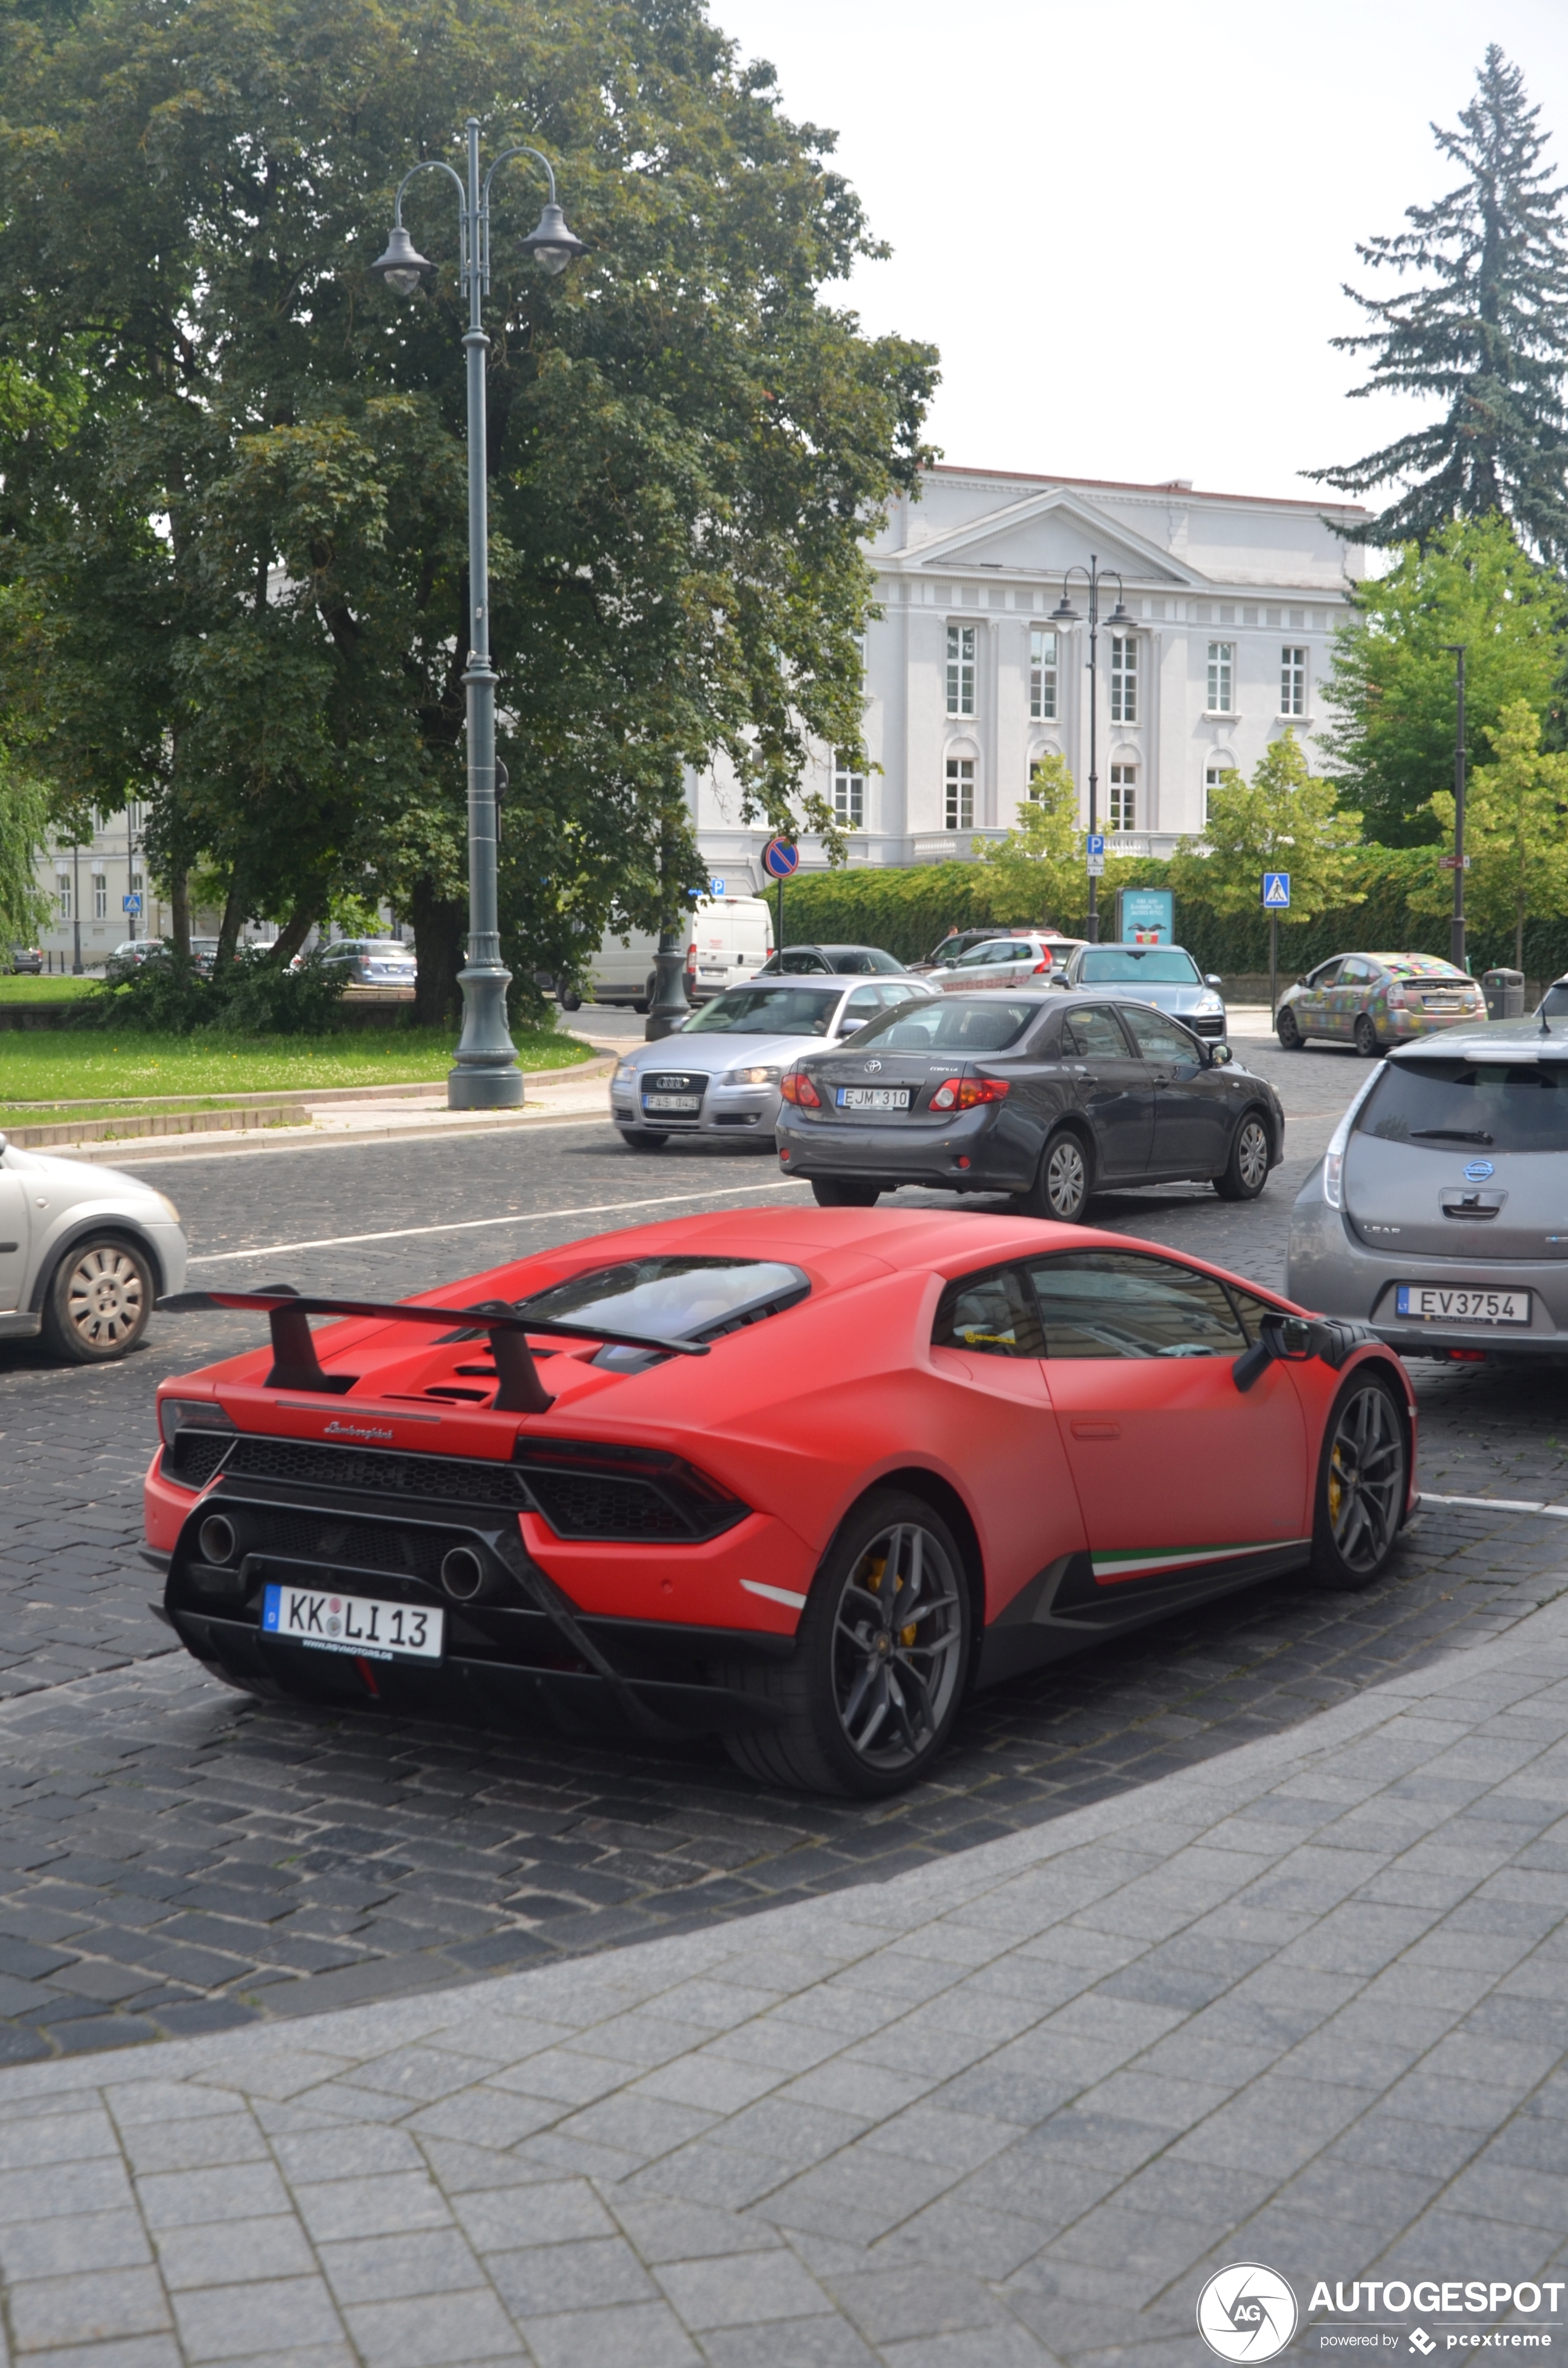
{"x":729,"y":939}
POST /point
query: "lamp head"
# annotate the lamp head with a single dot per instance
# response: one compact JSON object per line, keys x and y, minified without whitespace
{"x":403,"y":266}
{"x":1065,"y":612}
{"x":550,"y":243}
{"x":1119,"y":615}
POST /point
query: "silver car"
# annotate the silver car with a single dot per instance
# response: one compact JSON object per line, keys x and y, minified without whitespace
{"x":1165,"y":976}
{"x":719,"y":1072}
{"x":84,"y":1255}
{"x":1439,"y":1212}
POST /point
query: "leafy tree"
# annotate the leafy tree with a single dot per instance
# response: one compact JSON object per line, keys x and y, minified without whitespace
{"x":24,"y":814}
{"x":1038,"y":870}
{"x":1485,"y":334}
{"x":244,"y":555}
{"x":1515,"y":834}
{"x":1391,"y":694}
{"x":1284,"y":820}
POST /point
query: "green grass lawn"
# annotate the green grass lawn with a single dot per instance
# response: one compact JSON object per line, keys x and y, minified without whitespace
{"x":47,"y":989}
{"x":66,"y":1065}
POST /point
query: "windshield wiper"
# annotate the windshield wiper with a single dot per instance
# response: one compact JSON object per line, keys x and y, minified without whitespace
{"x":1450,"y":1135}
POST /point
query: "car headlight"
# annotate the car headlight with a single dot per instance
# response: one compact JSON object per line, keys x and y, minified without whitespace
{"x":757,"y":1076}
{"x":168,"y":1207}
{"x":1208,"y":1003}
{"x":626,"y":1074}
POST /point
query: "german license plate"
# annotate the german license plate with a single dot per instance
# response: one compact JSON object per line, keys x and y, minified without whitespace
{"x":1434,"y":1303}
{"x":672,"y":1101}
{"x":332,"y":1623}
{"x":873,"y":1098}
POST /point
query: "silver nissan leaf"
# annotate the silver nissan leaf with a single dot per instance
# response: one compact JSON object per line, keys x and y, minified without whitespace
{"x":1439,"y":1211}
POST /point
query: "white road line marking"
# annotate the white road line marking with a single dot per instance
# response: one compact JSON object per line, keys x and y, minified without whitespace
{"x":474,"y":1225}
{"x":1499,"y":1504}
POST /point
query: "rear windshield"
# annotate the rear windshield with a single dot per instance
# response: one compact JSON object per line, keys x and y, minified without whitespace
{"x":767,"y":1011}
{"x":670,"y":1298}
{"x":954,"y":1025}
{"x":1461,"y":1106}
{"x":1154,"y":965}
{"x":1554,"y":1002}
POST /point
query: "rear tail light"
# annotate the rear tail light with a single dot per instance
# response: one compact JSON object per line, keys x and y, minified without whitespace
{"x":968,"y":1093}
{"x":1397,"y":998}
{"x":1041,"y":968}
{"x":797,"y":1088}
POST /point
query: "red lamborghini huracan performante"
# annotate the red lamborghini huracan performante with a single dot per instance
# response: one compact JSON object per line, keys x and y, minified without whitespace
{"x":798,"y":1477}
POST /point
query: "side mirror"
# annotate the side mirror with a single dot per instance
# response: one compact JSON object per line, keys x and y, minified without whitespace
{"x":1301,"y":980}
{"x":1291,"y":1340}
{"x":1219,"y":1056}
{"x":1213,"y":978}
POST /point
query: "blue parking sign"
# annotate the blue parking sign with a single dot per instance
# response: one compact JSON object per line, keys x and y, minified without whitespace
{"x":1276,"y":892}
{"x":1094,"y":843}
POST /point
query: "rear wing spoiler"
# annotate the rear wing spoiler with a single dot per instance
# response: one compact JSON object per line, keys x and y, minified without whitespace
{"x":296,"y":1366}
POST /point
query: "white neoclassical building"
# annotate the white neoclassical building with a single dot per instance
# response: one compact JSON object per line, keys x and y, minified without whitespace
{"x":1229,"y":600}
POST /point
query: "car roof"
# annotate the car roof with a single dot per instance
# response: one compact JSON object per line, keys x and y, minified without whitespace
{"x":1493,"y":1039}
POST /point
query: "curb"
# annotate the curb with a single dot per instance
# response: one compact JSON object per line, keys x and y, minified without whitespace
{"x":109,"y":1129}
{"x":450,"y":1126}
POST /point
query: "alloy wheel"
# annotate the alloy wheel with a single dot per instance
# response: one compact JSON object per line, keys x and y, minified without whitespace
{"x":1066,"y":1179}
{"x":896,"y":1643}
{"x":105,"y":1299}
{"x":1366,"y":1478}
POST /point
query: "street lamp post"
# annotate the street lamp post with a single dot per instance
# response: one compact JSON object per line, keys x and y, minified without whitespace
{"x":76,"y":910}
{"x":1456,"y":926}
{"x":1065,"y":614}
{"x":484,"y":1075}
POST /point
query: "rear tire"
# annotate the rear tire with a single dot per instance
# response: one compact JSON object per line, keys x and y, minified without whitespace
{"x":1065,"y":1184}
{"x":1291,"y":1037}
{"x":569,"y":999}
{"x":98,"y":1303}
{"x":834,"y":1192}
{"x":1362,"y":1481}
{"x":642,"y":1140}
{"x":1365,"y":1035}
{"x":870,"y":1698}
{"x":1246,"y":1170}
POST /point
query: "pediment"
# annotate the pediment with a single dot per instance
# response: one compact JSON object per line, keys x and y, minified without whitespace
{"x":1044,"y":535}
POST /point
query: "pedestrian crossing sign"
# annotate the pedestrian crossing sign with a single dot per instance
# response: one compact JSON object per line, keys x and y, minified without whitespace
{"x":1276,"y":892}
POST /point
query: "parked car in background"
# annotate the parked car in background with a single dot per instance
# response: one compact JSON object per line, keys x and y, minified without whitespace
{"x":1050,"y":1098}
{"x":1004,"y":961}
{"x":728,"y":940}
{"x":85,"y":1254}
{"x":719,"y":1072}
{"x":1370,"y":1000}
{"x":131,"y":955}
{"x":958,"y":944}
{"x":1165,"y":976}
{"x":27,"y":962}
{"x":828,"y":961}
{"x":1437,"y":1215}
{"x":372,"y":961}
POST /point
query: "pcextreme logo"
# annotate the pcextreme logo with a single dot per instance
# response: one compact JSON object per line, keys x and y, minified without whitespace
{"x":1247,"y":2312}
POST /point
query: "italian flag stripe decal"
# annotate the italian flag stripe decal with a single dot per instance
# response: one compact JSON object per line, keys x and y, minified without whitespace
{"x":1152,"y":1558}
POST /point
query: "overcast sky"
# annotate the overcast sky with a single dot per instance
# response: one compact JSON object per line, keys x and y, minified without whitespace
{"x":1126,"y":223}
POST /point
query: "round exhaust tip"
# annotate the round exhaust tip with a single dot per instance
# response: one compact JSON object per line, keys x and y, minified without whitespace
{"x":462,"y":1574}
{"x":216,"y":1539}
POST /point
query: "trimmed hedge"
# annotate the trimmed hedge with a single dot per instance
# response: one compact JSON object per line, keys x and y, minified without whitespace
{"x":908,"y":911}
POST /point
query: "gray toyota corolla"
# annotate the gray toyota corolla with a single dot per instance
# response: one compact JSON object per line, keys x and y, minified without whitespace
{"x":1439,"y":1213}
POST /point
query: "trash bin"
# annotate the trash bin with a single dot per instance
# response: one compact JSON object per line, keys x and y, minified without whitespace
{"x":1504,"y":993}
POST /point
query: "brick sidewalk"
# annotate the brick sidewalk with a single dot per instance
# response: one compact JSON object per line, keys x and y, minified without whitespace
{"x":1301,"y":2004}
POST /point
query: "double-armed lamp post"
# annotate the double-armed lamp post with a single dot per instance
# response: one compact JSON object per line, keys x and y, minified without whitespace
{"x":1065,"y":614}
{"x":485,"y":1075}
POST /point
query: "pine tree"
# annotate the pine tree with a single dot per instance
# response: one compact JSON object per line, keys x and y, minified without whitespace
{"x":1486,"y":332}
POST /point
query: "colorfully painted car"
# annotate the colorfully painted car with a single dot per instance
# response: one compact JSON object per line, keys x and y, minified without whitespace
{"x":1165,"y":976}
{"x":718,"y":1074}
{"x":1437,"y":1213}
{"x":1050,"y":1098}
{"x":803,"y":1478}
{"x":85,"y":1252}
{"x":1370,"y":1000}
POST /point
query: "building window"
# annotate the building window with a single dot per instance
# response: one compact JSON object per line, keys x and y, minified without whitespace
{"x":1292,"y":680}
{"x":101,"y":896}
{"x":1212,"y":777}
{"x":960,"y":814}
{"x":1042,"y":675}
{"x":62,"y":895}
{"x":960,"y":669}
{"x":1123,"y":678}
{"x":1124,"y":797}
{"x":1221,"y":677}
{"x":848,"y":794}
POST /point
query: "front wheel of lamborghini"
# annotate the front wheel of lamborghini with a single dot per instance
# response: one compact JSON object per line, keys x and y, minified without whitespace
{"x":1362,"y":1484}
{"x":870,"y":1698}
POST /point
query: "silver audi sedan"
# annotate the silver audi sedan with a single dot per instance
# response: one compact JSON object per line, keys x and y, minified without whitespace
{"x":719,"y":1074}
{"x":1439,"y":1212}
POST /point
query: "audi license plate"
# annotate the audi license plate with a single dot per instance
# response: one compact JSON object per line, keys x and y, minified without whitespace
{"x":331,"y":1622}
{"x":1435,"y":1303}
{"x":873,"y":1098}
{"x":672,"y":1102}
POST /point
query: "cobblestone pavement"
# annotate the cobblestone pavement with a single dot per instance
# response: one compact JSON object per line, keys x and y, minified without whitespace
{"x":1300,"y":2004}
{"x":173,"y":1856}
